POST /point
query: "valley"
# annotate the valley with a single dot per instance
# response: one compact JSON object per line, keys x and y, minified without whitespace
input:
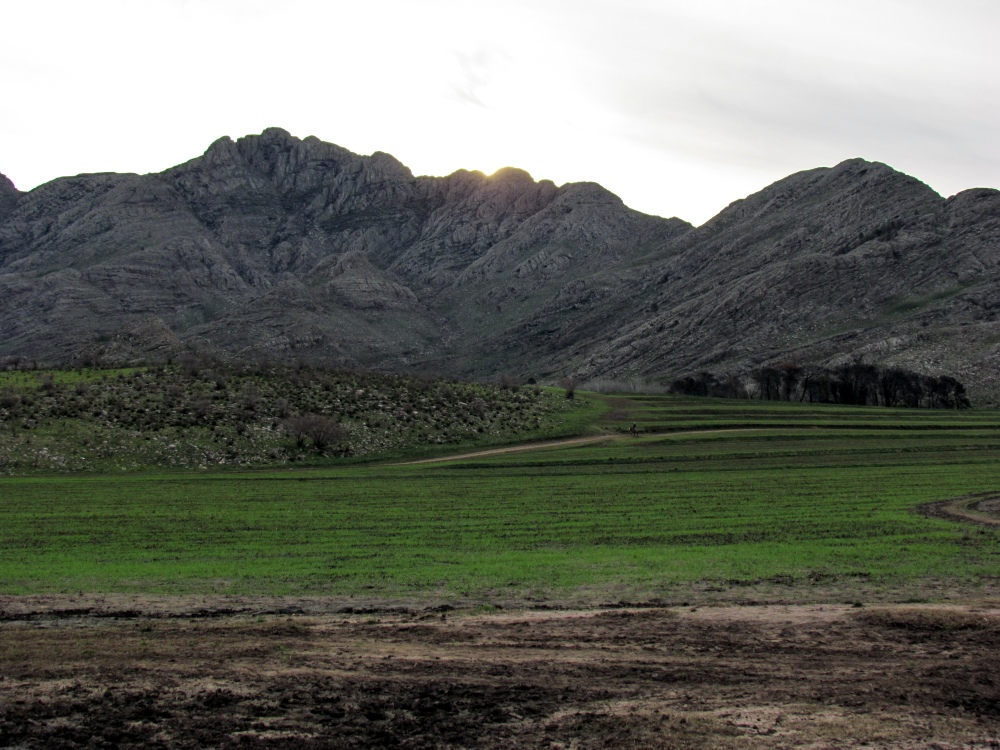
{"x":299,"y":449}
{"x":735,"y":574}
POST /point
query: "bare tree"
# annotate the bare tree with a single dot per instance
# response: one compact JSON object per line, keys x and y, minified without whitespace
{"x":750,"y":386}
{"x":790,"y":374}
{"x":769,"y":380}
{"x":570,"y":385}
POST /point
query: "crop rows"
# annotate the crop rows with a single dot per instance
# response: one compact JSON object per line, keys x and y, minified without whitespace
{"x":657,"y":514}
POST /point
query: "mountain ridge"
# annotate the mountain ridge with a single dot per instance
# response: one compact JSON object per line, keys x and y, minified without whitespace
{"x":272,"y":246}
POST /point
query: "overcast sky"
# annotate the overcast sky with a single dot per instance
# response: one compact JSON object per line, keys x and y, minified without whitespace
{"x":678,"y":107}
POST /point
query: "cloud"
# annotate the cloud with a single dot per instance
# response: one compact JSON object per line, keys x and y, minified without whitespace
{"x":778,"y":86}
{"x":477,"y":70}
{"x":678,"y":107}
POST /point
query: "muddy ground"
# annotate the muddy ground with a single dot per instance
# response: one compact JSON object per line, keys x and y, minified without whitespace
{"x":820,"y":676}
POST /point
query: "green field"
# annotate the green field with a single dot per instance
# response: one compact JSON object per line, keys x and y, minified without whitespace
{"x":727,"y":498}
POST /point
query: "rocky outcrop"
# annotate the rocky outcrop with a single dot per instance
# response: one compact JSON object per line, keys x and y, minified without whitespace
{"x":361,"y":285}
{"x":143,"y":341}
{"x":9,"y":196}
{"x":273,"y":246}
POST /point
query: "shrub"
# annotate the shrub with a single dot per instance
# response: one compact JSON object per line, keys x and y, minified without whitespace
{"x":570,"y":385}
{"x":509,"y":381}
{"x":322,"y":431}
{"x":8,"y":398}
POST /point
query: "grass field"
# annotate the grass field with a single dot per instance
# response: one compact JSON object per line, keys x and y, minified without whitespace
{"x":713,"y":498}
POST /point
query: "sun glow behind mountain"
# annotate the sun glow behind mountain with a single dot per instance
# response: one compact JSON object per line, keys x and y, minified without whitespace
{"x":678,"y":108}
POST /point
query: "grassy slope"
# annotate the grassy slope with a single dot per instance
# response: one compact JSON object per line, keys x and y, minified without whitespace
{"x":206,"y":417}
{"x":819,"y":507}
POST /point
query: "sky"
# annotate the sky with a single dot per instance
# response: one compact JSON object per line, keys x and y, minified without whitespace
{"x":678,"y":107}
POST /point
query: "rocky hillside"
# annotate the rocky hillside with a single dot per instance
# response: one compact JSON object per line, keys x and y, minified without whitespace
{"x":275,"y":247}
{"x":821,"y":267}
{"x":272,"y":246}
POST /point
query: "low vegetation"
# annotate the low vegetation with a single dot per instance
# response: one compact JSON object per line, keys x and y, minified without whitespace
{"x":855,"y":384}
{"x":196,"y":415}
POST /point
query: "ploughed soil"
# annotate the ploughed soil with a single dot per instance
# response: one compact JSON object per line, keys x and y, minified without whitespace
{"x":819,"y":676}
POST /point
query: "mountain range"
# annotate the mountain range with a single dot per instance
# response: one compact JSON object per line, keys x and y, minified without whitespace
{"x":276,"y":247}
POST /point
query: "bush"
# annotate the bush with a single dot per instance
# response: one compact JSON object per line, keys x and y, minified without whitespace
{"x":8,"y":398}
{"x":570,"y":385}
{"x":509,"y":381}
{"x":322,"y":431}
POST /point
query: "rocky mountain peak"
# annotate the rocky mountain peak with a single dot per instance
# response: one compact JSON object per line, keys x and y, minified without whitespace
{"x":873,"y":175}
{"x":275,"y":134}
{"x":274,"y":246}
{"x":512,"y":175}
{"x":386,"y":166}
{"x":588,"y":192}
{"x":974,"y":206}
{"x":221,"y":150}
{"x":849,"y":196}
{"x":9,"y":196}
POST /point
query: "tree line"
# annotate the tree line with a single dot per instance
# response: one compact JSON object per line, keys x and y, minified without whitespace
{"x":856,"y":383}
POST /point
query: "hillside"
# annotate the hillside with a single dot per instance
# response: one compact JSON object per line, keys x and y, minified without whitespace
{"x":201,"y":415}
{"x":272,"y":246}
{"x":299,"y":250}
{"x":822,"y":267}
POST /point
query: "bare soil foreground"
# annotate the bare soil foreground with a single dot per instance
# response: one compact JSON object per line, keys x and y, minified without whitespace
{"x":777,"y":676}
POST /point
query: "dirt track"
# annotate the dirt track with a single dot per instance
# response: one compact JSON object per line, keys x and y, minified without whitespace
{"x":553,"y":444}
{"x":716,"y":677}
{"x":982,"y":509}
{"x":516,"y":449}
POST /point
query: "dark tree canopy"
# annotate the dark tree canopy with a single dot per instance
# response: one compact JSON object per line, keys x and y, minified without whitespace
{"x":856,"y":383}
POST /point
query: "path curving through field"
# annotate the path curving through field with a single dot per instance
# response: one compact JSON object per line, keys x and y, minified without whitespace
{"x":564,"y":443}
{"x":514,"y":449}
{"x":982,"y":508}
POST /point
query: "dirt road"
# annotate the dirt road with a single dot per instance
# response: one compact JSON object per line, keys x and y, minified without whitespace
{"x":711,"y":677}
{"x":982,"y":508}
{"x":516,"y":449}
{"x":557,"y":444}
